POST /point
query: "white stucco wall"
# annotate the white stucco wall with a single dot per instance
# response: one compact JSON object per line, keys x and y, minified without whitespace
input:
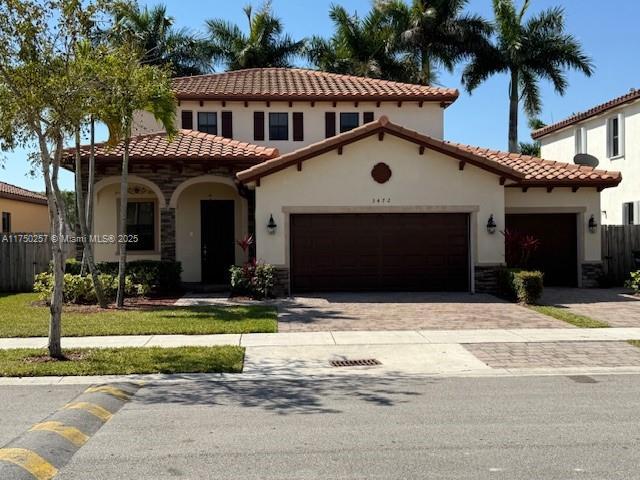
{"x":427,"y":119}
{"x":561,"y":146}
{"x":585,"y":202}
{"x":188,"y":226}
{"x":342,"y":183}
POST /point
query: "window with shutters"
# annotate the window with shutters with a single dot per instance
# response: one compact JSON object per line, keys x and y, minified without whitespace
{"x":278,"y":126}
{"x":227,"y":124}
{"x":258,"y":126}
{"x":349,"y":121}
{"x":6,"y":222}
{"x":141,"y":222}
{"x":298,"y":126}
{"x":208,"y":122}
{"x":187,"y":120}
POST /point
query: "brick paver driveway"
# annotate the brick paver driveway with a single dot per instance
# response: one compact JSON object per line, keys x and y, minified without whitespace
{"x":405,"y":311}
{"x":613,"y":306}
{"x":556,"y":354}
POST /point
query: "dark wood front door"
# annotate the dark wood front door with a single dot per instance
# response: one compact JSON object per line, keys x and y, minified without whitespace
{"x":557,"y":255}
{"x":217,"y":219}
{"x":368,"y":252}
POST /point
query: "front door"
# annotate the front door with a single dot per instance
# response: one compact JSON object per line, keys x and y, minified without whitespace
{"x":218,"y":240}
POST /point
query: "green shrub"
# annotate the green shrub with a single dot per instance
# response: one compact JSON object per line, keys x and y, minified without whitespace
{"x":79,"y":289}
{"x":634,"y":282}
{"x":155,"y":276}
{"x":255,"y":279}
{"x":520,"y":285}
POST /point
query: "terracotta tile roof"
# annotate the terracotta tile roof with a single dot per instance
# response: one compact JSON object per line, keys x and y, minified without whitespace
{"x":17,"y":193}
{"x":299,"y":84}
{"x":186,"y":145}
{"x":537,"y":171}
{"x":522,"y":170}
{"x":632,"y":96}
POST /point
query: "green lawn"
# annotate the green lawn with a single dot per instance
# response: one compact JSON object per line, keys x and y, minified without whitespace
{"x":635,"y":343}
{"x":29,"y":362}
{"x":19,"y":318}
{"x":566,"y":316}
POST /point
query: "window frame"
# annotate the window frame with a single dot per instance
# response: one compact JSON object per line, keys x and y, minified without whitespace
{"x":343,"y":116}
{"x":6,"y":222}
{"x":131,"y":247}
{"x":282,"y":129}
{"x":615,"y":141}
{"x":215,"y":124}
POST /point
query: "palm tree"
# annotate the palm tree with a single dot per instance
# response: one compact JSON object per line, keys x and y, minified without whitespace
{"x":161,"y":44}
{"x":435,"y":33}
{"x":264,"y":45}
{"x":366,"y":47}
{"x":528,"y":51}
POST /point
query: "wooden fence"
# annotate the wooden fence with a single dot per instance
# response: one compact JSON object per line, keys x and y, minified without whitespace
{"x":618,"y":244}
{"x":20,"y":261}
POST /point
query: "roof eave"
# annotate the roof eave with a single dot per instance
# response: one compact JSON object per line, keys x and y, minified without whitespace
{"x":20,"y":198}
{"x":446,"y":99}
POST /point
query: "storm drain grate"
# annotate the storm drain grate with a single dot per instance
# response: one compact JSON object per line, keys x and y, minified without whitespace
{"x":367,"y":362}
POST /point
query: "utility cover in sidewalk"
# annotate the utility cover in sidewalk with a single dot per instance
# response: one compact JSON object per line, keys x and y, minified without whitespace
{"x":367,"y":362}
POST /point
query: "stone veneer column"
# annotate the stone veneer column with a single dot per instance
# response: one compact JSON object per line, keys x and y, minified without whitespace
{"x":592,"y":274}
{"x":168,"y":234}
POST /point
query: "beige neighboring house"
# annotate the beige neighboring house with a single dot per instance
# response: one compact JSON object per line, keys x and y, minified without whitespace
{"x":347,"y":184}
{"x":607,"y":136}
{"x":22,"y":210}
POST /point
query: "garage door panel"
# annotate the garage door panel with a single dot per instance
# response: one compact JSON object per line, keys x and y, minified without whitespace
{"x":379,"y":252}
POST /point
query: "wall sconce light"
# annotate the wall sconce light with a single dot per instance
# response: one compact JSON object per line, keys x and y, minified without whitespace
{"x":491,"y":225}
{"x":271,"y":225}
{"x":593,"y":226}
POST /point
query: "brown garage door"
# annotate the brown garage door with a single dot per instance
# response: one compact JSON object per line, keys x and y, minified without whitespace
{"x":367,"y":252}
{"x":557,"y":255}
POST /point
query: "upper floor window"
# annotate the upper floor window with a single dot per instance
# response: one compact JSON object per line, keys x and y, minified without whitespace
{"x":141,"y":222}
{"x":208,"y":122}
{"x":348,"y":121}
{"x":581,"y":140}
{"x":615,"y":136}
{"x":278,"y":126}
{"x":6,"y":222}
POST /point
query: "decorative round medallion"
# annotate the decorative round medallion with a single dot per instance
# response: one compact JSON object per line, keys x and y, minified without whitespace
{"x":381,"y":172}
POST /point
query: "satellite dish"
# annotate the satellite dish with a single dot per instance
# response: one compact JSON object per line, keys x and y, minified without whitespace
{"x":585,"y":159}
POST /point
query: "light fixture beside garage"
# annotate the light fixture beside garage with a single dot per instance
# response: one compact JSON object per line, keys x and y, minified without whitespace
{"x":593,"y":225}
{"x":491,"y":225}
{"x":271,"y":225}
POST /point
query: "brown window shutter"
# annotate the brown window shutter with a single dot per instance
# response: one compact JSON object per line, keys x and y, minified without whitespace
{"x":258,"y":125}
{"x":187,"y":120}
{"x":367,"y":117}
{"x":330,"y":124}
{"x":227,"y":124}
{"x":298,"y":126}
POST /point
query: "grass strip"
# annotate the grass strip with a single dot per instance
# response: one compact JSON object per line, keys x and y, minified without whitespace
{"x":565,"y":315}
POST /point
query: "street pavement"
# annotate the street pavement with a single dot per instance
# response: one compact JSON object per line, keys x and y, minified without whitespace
{"x":360,"y":427}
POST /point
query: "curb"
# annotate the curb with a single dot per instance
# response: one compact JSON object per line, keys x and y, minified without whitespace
{"x":40,"y":452}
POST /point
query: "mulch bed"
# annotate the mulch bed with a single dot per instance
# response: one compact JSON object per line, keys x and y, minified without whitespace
{"x":69,"y":356}
{"x":133,"y":303}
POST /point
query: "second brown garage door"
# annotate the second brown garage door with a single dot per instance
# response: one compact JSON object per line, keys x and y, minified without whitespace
{"x":383,"y":252}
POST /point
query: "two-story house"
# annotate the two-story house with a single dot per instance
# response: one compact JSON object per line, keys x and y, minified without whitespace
{"x":346,"y":184}
{"x":607,"y":136}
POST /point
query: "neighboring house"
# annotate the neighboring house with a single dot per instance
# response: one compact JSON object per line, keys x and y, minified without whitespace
{"x":22,"y":210}
{"x":606,"y":135}
{"x":346,"y":183}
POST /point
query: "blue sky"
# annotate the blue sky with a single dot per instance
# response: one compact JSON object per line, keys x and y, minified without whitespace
{"x":608,"y":32}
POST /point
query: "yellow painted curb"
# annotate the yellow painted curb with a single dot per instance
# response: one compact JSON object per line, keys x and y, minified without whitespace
{"x":102,"y":413}
{"x":29,"y":461}
{"x":72,"y":434}
{"x":116,"y":392}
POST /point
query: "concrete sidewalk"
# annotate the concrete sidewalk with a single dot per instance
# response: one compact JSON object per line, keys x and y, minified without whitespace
{"x":290,"y":339}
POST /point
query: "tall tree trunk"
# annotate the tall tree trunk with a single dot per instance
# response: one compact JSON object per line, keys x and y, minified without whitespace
{"x":82,"y":220}
{"x":122,"y":230}
{"x":57,"y":222}
{"x":90,"y":187}
{"x":513,"y":112}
